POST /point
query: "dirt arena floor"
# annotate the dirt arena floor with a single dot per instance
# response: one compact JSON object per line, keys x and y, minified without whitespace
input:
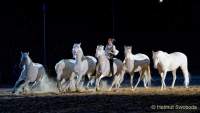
{"x":122,"y":100}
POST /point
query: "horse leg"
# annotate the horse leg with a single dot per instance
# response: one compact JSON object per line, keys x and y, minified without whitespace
{"x":145,"y":79}
{"x":89,"y":77}
{"x":164,"y":76}
{"x":82,"y":82}
{"x":114,"y":81}
{"x":91,"y":81}
{"x":131,"y":80}
{"x":17,"y":84}
{"x":26,"y":86}
{"x":98,"y":82}
{"x":59,"y":86}
{"x":121,"y":79}
{"x":117,"y":81}
{"x":65,"y":84}
{"x":36,"y":82}
{"x":174,"y":78}
{"x":162,"y":80}
{"x":72,"y":82}
{"x":137,"y":82}
{"x":78,"y":81}
{"x":145,"y":83}
{"x":117,"y":84}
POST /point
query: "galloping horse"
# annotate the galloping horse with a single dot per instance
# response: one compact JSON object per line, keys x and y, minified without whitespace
{"x":137,"y":63}
{"x":103,"y":68}
{"x":31,"y":74}
{"x":65,"y":71}
{"x":83,"y":65}
{"x":165,"y":62}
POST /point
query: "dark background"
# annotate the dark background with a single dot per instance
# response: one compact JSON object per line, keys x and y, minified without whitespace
{"x":147,"y":25}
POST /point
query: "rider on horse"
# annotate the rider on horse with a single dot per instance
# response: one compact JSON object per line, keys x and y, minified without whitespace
{"x":111,"y":51}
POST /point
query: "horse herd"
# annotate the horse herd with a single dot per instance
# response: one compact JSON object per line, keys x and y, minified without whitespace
{"x":72,"y":72}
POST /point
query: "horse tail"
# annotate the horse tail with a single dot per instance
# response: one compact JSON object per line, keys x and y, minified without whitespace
{"x":186,"y":73}
{"x":186,"y":76}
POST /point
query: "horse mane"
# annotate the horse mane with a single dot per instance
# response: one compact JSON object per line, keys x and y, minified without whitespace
{"x":163,"y":53}
{"x":83,"y":57}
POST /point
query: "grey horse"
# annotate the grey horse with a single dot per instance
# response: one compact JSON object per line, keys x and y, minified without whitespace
{"x":65,"y":72}
{"x":103,"y":68}
{"x":84,"y":65}
{"x":31,"y":74}
{"x":137,"y":63}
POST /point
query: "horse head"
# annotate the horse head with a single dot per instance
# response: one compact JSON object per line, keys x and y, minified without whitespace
{"x":127,"y":50}
{"x":76,"y":50}
{"x":100,"y":51}
{"x":24,"y":59}
{"x":156,"y":57}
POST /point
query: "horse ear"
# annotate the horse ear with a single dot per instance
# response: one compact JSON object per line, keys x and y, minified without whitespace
{"x":28,"y":53}
{"x":80,"y":44}
{"x":21,"y":52}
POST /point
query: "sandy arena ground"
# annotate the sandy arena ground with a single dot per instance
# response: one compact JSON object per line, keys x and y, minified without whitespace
{"x":122,"y":100}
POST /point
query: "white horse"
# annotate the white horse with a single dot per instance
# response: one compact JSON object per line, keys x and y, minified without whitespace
{"x":65,"y":74}
{"x":31,"y":75}
{"x":103,"y":68}
{"x":165,"y":62}
{"x":137,"y":63}
{"x":84,"y":65}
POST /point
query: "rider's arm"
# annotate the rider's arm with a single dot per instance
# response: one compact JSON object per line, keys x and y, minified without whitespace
{"x":115,"y":51}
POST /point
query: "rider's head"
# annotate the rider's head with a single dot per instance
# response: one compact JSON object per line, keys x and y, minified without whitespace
{"x":110,"y":41}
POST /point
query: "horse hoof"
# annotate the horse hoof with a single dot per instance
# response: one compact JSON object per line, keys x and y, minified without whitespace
{"x":87,"y":88}
{"x":97,"y":89}
{"x":133,"y":89}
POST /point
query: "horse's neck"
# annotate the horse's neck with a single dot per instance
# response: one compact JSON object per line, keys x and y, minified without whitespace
{"x":29,"y":62}
{"x":80,"y":58}
{"x":129,"y":56}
